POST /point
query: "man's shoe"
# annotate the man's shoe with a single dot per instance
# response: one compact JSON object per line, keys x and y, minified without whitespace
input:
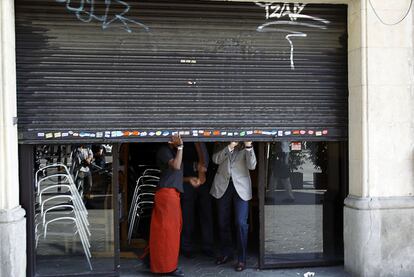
{"x":240,"y":267}
{"x":222,"y":260}
{"x":177,"y":272}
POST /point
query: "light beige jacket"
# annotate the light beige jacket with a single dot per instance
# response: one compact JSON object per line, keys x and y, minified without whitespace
{"x":235,"y":165}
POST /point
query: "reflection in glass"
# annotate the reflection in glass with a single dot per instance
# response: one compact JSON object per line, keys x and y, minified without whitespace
{"x":303,"y":202}
{"x":73,"y":209}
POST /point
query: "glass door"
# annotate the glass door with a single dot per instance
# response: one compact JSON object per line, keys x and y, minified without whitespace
{"x":74,"y":206}
{"x":304,"y":185}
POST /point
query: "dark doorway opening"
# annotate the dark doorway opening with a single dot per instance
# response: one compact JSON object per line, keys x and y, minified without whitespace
{"x":137,"y":160}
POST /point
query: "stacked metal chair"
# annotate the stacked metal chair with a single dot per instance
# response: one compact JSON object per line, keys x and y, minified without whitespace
{"x":57,"y":206}
{"x":143,"y":198}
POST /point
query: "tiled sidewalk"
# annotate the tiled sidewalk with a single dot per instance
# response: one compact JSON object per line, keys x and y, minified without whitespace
{"x":203,"y":266}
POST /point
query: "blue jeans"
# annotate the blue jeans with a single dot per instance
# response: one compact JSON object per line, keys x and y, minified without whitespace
{"x":241,"y":211}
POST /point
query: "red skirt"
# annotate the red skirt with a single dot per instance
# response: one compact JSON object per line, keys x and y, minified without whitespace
{"x":166,"y":224}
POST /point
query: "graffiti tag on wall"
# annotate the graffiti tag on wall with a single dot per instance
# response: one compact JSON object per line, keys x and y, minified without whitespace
{"x":115,"y":11}
{"x":279,"y":17}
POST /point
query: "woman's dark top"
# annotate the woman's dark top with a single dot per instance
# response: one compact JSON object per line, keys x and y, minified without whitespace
{"x":169,"y":178}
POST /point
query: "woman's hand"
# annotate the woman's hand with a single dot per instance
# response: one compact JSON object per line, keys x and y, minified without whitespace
{"x":176,"y":140}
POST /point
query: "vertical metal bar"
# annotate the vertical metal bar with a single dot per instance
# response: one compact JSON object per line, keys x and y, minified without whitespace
{"x":59,"y":160}
{"x":261,"y":191}
{"x":345,"y":168}
{"x":344,"y":186}
{"x":115,"y":203}
{"x":26,"y":174}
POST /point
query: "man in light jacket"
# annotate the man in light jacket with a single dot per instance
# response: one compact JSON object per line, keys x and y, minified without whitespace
{"x":232,"y":187}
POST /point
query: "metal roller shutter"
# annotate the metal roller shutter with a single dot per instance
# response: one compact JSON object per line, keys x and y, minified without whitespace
{"x":129,"y":70}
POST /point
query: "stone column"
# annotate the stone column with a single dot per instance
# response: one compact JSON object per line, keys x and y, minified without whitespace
{"x":12,"y":220}
{"x":379,"y":212}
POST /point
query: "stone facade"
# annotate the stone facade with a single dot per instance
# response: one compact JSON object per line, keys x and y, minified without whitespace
{"x":12,"y":220}
{"x":379,"y":211}
{"x":379,"y":236}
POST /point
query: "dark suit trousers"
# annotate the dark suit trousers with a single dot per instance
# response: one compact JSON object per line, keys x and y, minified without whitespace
{"x":241,"y":211}
{"x":190,"y":199}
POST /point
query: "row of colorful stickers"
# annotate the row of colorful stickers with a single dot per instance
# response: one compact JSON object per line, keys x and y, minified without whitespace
{"x":192,"y":133}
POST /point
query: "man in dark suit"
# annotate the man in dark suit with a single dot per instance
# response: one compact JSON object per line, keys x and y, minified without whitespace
{"x":196,"y":196}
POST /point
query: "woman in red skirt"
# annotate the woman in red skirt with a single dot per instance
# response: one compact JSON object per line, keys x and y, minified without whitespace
{"x":166,"y":220}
